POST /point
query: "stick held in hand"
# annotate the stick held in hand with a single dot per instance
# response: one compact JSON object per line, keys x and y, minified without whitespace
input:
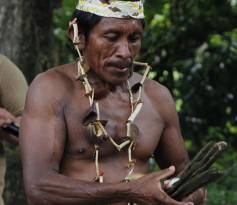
{"x":196,"y":174}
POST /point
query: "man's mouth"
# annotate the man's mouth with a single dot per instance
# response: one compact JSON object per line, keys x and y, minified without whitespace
{"x":120,"y":66}
{"x":121,"y":69}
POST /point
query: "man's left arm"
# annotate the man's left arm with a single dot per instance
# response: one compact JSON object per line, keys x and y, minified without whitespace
{"x":171,"y":149}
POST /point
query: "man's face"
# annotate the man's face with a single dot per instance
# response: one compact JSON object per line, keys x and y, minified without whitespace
{"x":111,"y":48}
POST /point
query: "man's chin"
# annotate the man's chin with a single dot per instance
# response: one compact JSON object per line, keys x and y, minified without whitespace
{"x":115,"y":78}
{"x":119,"y":79}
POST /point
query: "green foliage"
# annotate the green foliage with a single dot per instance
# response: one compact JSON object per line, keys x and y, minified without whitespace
{"x":192,"y":46}
{"x":61,"y":17}
{"x":225,"y":190}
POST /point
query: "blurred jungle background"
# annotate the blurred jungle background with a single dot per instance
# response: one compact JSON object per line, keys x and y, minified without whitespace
{"x":192,"y":47}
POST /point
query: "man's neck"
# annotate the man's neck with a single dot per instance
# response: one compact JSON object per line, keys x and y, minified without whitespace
{"x":103,"y":88}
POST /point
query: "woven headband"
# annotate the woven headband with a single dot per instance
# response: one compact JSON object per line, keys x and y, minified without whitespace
{"x":113,"y":8}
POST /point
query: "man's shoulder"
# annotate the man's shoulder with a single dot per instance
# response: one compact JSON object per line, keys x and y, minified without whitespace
{"x":160,"y":97}
{"x":54,"y":77}
{"x":154,"y":89}
{"x":55,"y":82}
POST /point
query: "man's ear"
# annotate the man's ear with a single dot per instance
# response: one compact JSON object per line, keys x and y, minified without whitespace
{"x":81,"y":44}
{"x":77,"y":37}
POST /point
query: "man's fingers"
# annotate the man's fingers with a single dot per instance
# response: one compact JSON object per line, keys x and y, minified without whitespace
{"x":186,"y":203}
{"x":5,"y":123}
{"x":182,"y":203}
{"x":188,"y":198}
{"x":169,"y":201}
{"x":6,"y":118}
{"x":1,"y":123}
{"x":174,"y":202}
{"x":189,"y":203}
{"x":198,"y":196}
{"x":166,"y":172}
{"x":5,"y":115}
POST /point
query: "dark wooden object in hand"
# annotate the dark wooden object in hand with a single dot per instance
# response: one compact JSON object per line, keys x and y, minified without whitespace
{"x":12,"y":129}
{"x":196,"y":174}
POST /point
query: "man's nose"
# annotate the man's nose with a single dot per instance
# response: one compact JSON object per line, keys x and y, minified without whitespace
{"x":123,"y":50}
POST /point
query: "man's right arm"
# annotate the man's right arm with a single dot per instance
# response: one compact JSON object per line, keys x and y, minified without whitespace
{"x":42,"y":140}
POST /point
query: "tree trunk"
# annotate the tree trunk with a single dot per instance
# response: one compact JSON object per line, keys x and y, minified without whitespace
{"x":25,"y":37}
{"x":25,"y":34}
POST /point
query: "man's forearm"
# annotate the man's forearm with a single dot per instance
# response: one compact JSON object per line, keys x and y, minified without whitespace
{"x":58,"y":189}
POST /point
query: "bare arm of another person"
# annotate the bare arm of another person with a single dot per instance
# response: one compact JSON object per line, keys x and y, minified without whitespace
{"x":171,"y":149}
{"x":42,"y":139}
{"x":13,"y":88}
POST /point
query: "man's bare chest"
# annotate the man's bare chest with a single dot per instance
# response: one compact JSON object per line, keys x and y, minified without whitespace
{"x":80,"y":142}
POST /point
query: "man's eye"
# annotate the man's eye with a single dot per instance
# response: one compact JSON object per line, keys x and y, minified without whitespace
{"x":134,"y":39}
{"x":111,"y":37}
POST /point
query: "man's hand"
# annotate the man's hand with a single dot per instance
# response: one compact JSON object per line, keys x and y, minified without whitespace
{"x":198,"y":197}
{"x":6,"y":118}
{"x":148,"y":191}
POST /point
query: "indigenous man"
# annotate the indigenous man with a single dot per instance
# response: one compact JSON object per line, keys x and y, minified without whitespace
{"x":90,"y":127}
{"x":13,"y":88}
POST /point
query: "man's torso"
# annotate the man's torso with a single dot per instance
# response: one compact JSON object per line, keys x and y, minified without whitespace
{"x":78,"y":160}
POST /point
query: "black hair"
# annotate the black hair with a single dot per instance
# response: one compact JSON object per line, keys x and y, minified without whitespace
{"x":87,"y":21}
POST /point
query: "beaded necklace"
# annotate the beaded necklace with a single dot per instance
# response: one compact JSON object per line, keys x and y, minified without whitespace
{"x":96,"y":126}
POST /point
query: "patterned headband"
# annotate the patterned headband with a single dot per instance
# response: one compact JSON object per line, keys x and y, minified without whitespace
{"x":113,"y":8}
